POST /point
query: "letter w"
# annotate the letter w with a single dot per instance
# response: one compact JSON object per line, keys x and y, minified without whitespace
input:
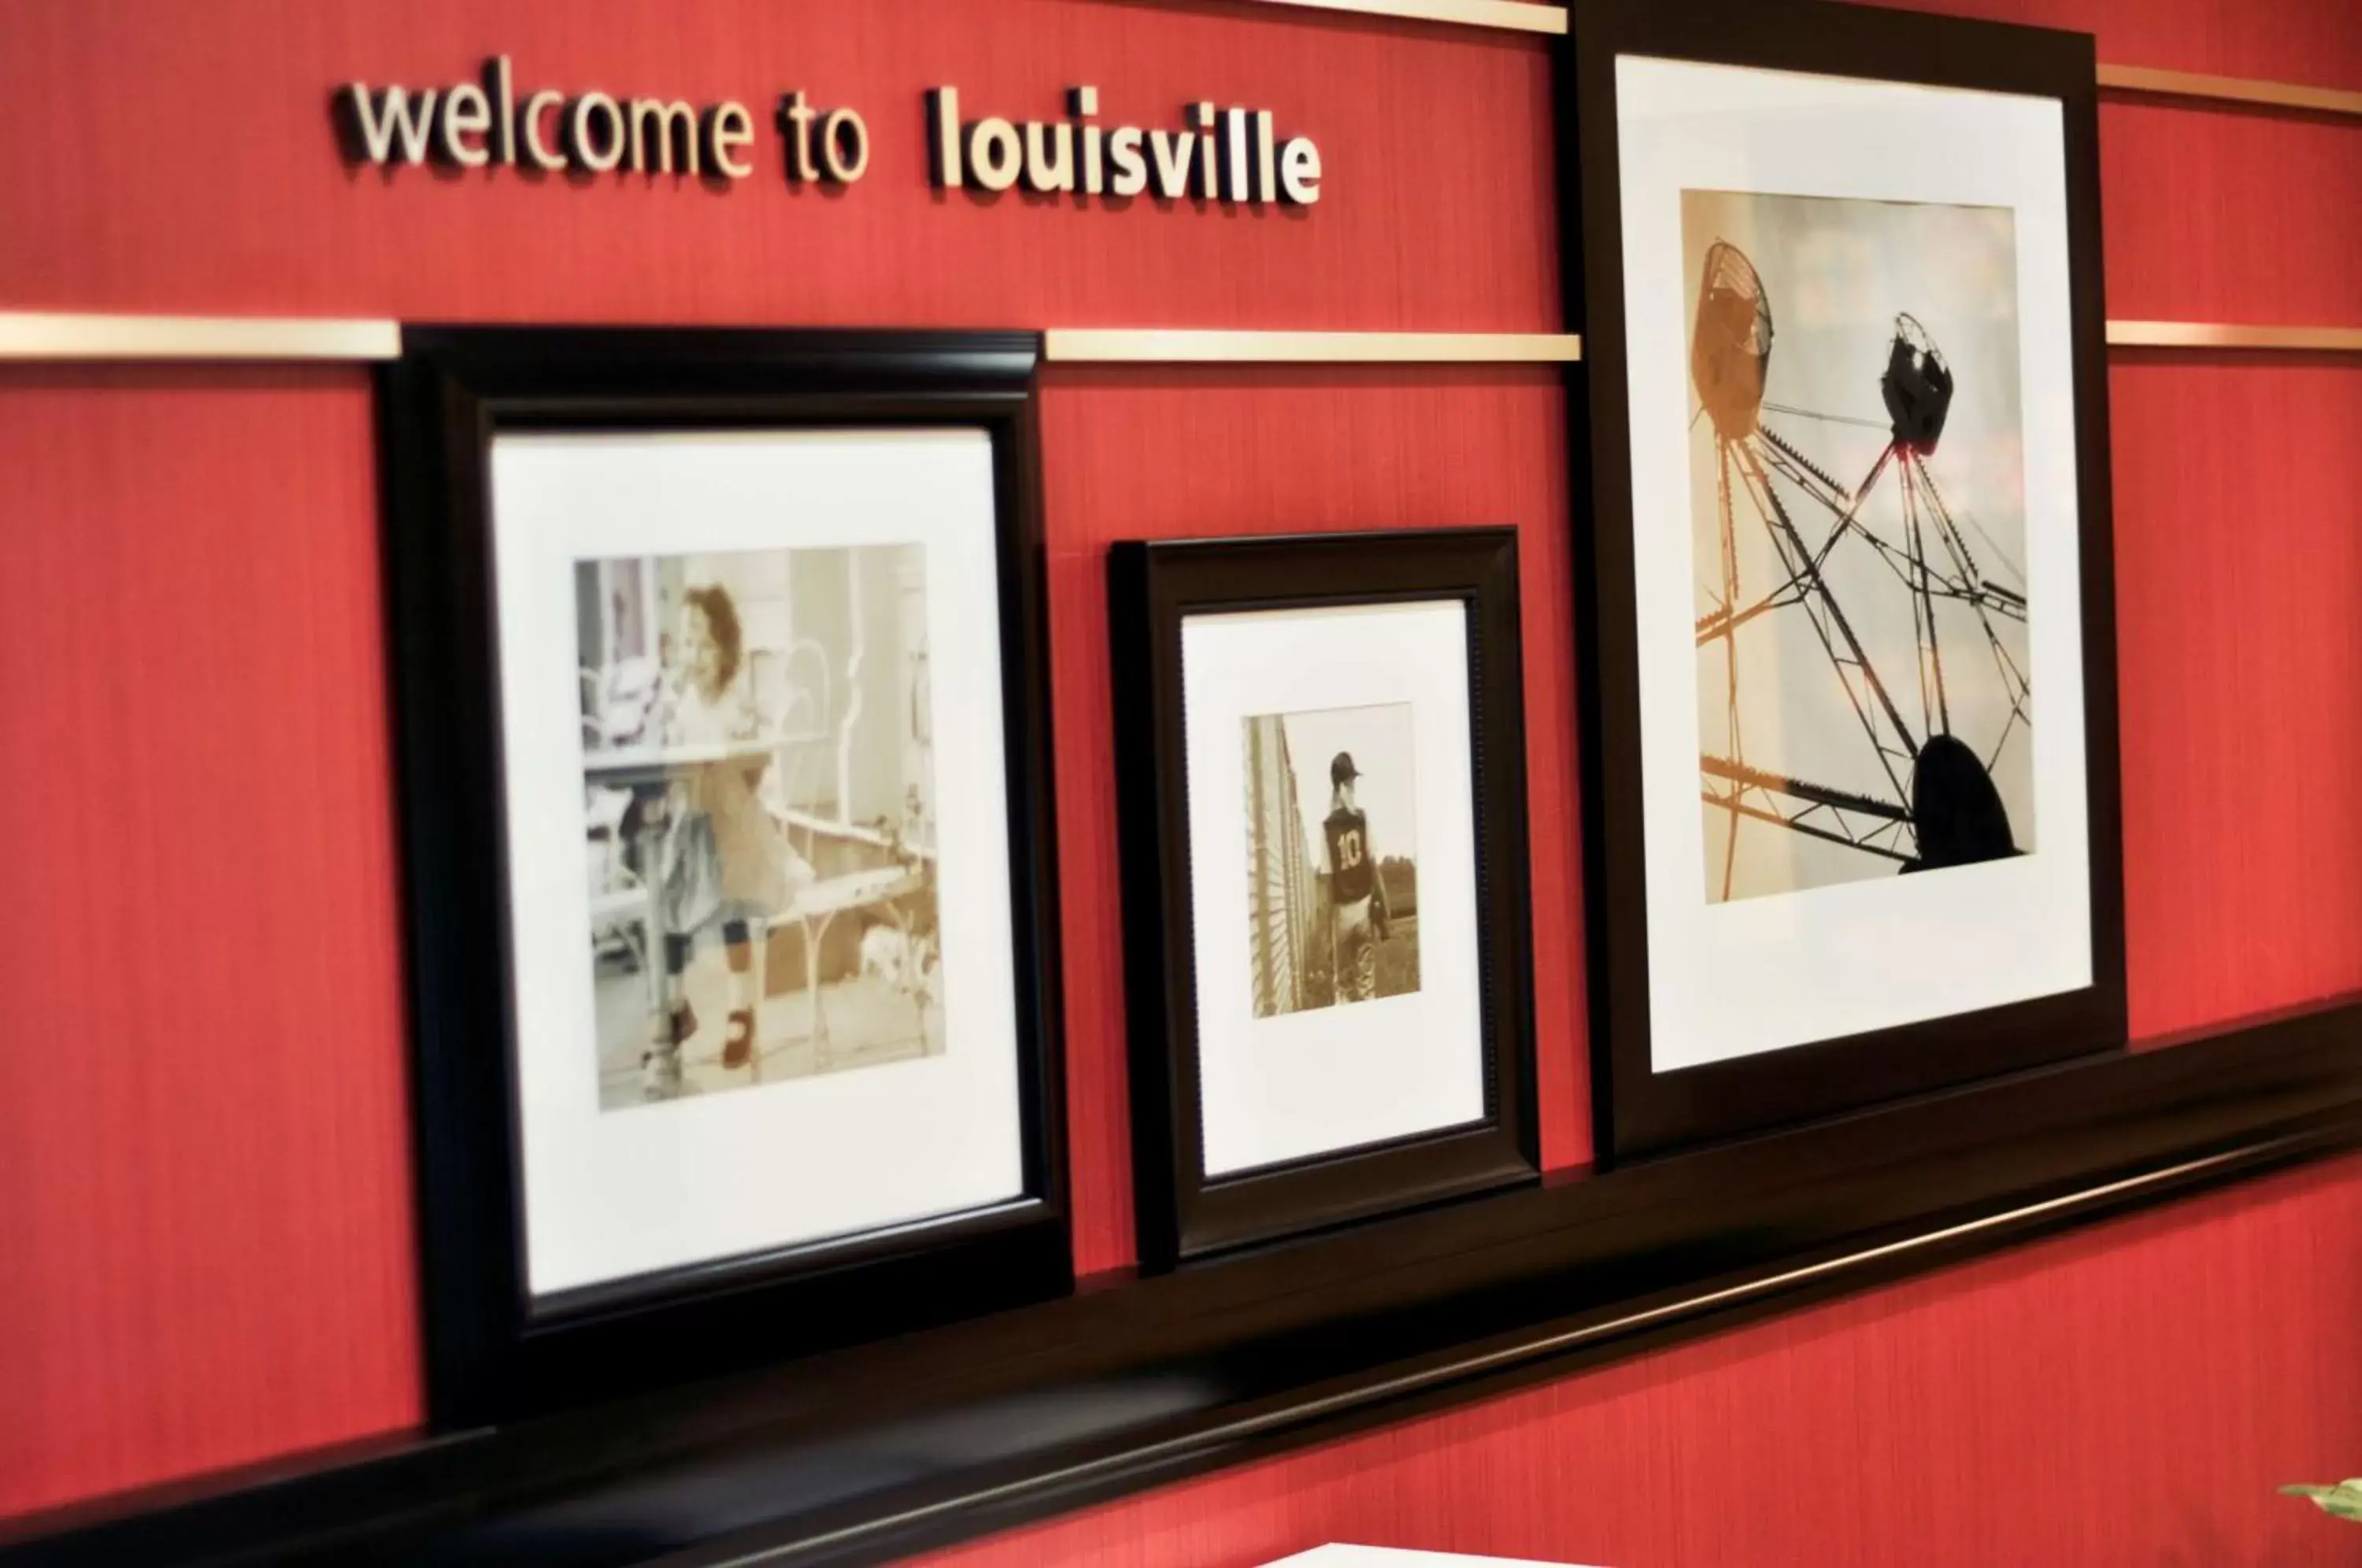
{"x":391,"y":114}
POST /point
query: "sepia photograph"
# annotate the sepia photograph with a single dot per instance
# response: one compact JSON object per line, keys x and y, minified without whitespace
{"x":757,"y":944}
{"x":1858,"y":523}
{"x":1332,"y":890}
{"x":1853,"y":538}
{"x":758,"y":810}
{"x":1323,"y":811}
{"x":1334,"y":961}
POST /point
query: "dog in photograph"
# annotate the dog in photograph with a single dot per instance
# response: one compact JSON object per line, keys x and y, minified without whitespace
{"x":904,"y":960}
{"x":660,"y":1076}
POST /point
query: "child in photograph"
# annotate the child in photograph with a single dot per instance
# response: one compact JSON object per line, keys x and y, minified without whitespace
{"x":726,"y":863}
{"x":1357,"y":895}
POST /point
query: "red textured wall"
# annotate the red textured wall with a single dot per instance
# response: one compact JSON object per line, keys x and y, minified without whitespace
{"x":202,"y":1099}
{"x":206,"y":1255}
{"x":2239,"y":599}
{"x":2130,"y":1394}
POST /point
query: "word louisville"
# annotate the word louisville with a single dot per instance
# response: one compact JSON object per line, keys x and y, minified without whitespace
{"x":1219,"y":153}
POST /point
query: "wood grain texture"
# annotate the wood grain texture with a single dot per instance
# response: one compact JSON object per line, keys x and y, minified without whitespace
{"x":1435,"y":146}
{"x":2239,"y":592}
{"x":1278,"y":451}
{"x":2130,"y":1394}
{"x":201,"y":1102}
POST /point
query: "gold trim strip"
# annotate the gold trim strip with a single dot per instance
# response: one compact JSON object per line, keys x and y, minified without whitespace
{"x":67,"y":336}
{"x":2218,"y":334}
{"x":1511,"y":15}
{"x":2229,"y":89}
{"x":77,"y":335}
{"x":1154,"y":346}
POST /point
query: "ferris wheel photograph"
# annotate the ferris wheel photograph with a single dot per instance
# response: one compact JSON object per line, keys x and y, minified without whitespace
{"x":1857,"y":526}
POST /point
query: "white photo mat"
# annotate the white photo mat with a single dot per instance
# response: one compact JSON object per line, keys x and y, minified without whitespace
{"x":1737,"y":979}
{"x":1310,"y":1083}
{"x":607,"y":1197}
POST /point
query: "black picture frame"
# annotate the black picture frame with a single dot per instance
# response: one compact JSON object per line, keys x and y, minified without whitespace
{"x":1154,"y":586}
{"x":1640,"y":1112}
{"x":491,"y":1352}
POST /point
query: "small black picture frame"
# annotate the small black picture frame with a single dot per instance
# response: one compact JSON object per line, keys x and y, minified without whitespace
{"x":494,"y":1351}
{"x":1639,"y":1110}
{"x":1153,"y":588}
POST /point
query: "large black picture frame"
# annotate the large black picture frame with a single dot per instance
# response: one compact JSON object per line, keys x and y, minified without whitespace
{"x":491,"y":1353}
{"x":1638,"y":1111}
{"x":1154,"y":586}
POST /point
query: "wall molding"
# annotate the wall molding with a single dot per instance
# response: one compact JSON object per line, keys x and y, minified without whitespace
{"x":2226,"y":335}
{"x":1509,"y":16}
{"x":84,"y":335}
{"x":74,"y":335}
{"x":2149,"y":81}
{"x":1168,"y":346}
{"x":69,"y":336}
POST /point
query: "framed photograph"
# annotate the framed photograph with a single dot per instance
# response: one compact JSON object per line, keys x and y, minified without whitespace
{"x":728,"y":836}
{"x":1846,"y":593}
{"x":1321,"y":764}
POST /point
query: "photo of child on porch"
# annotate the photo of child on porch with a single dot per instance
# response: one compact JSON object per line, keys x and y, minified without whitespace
{"x":758,"y":799}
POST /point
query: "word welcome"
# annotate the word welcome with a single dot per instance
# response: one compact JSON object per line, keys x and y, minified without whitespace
{"x":469,"y":124}
{"x":1232,"y":155}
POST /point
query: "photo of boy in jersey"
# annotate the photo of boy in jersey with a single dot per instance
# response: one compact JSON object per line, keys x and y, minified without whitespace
{"x":1357,"y":898}
{"x":1332,"y":885}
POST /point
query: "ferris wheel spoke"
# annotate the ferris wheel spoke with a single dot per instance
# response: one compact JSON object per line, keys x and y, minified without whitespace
{"x":1829,"y":624}
{"x":1720,"y":623}
{"x":1838,"y":816}
{"x":1972,"y":587}
{"x":1794,"y":412}
{"x":1781,"y":459}
{"x":1944,"y":511}
{"x":1986,"y":597}
{"x":1730,"y":652}
{"x":1938,"y":716}
{"x":1830,"y":493}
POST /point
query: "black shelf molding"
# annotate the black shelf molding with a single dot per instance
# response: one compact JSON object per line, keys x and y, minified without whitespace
{"x":889,"y":1448}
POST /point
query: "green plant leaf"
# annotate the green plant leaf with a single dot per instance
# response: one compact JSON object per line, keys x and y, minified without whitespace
{"x":2342,"y":1501}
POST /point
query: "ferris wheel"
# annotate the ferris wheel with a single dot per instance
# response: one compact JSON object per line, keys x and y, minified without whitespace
{"x":1921,"y":793}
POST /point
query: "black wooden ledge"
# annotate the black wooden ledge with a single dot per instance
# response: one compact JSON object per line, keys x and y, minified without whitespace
{"x":898,"y":1446}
